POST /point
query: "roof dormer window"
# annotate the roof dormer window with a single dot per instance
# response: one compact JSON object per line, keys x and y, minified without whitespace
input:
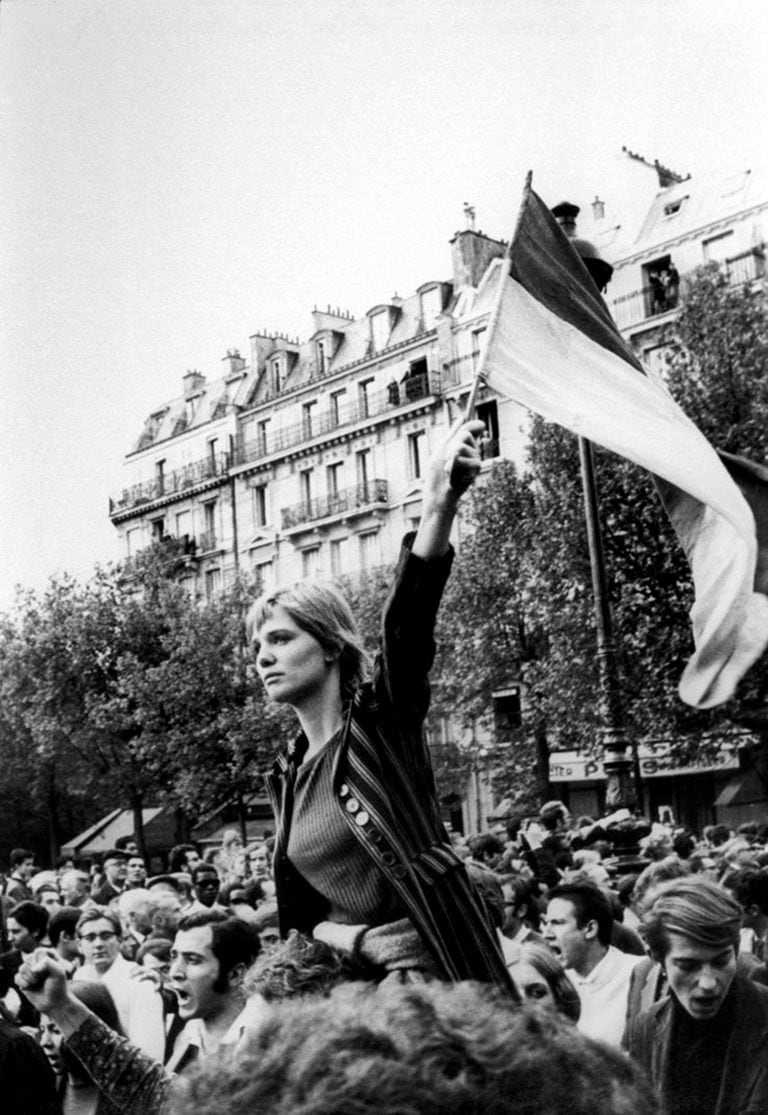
{"x":431,"y":305}
{"x":380,"y":326}
{"x":672,"y":208}
{"x":275,"y":374}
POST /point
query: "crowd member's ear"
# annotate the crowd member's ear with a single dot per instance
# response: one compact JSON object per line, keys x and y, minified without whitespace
{"x":590,"y":930}
{"x":236,"y":975}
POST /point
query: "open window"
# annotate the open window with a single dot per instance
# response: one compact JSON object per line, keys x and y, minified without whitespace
{"x":661,"y":286}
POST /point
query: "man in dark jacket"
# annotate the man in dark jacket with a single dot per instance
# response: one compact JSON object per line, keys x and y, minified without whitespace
{"x":705,"y":1045}
{"x":115,"y":866}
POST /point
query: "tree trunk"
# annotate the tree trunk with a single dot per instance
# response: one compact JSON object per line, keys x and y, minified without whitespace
{"x":242,"y":817}
{"x":543,"y":785}
{"x":182,"y":826}
{"x":54,"y":823}
{"x":138,"y":822}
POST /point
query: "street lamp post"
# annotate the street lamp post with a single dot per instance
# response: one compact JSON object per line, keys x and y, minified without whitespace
{"x":621,"y":790}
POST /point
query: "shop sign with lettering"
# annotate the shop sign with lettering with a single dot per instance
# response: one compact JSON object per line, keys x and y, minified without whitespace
{"x":657,"y":760}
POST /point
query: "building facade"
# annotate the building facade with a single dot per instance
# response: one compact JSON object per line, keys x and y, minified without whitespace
{"x":307,"y":458}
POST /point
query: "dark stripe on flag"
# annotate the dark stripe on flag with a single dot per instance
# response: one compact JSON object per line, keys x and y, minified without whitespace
{"x":545,"y":263}
{"x":752,"y":479}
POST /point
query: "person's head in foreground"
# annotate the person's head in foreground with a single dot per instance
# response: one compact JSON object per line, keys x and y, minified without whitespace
{"x":426,"y":1049}
{"x":692,"y":930}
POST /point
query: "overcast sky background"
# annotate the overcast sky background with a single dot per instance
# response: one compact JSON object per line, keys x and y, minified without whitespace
{"x":178,"y":174}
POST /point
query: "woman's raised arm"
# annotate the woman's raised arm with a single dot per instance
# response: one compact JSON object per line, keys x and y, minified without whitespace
{"x":452,"y":469}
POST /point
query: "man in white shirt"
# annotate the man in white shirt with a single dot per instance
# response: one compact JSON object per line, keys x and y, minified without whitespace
{"x":139,"y":1005}
{"x":578,"y":930}
{"x":211,"y":953}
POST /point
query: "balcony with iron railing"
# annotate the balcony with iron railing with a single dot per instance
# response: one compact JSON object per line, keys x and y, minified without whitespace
{"x":652,"y":302}
{"x":174,"y":482}
{"x":362,"y":497}
{"x":206,"y":542}
{"x":374,"y":405}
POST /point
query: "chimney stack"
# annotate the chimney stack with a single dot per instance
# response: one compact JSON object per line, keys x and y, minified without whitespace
{"x":193,"y":381}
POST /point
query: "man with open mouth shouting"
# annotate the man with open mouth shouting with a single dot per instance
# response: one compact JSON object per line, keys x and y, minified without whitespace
{"x":705,"y":1046}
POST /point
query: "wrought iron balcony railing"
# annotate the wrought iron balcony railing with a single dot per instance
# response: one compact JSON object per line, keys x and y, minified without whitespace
{"x":746,"y":268}
{"x":649,"y":302}
{"x":371,"y":406}
{"x":358,"y":498}
{"x":206,"y":541}
{"x":171,"y":483}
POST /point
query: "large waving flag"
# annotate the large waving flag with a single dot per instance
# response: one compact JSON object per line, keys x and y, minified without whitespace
{"x":553,"y":346}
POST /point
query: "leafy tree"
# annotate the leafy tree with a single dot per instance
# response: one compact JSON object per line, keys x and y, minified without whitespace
{"x":207,"y":730}
{"x":718,"y":372}
{"x":718,"y":356}
{"x":126,"y":691}
{"x":42,"y":703}
{"x":487,"y":635}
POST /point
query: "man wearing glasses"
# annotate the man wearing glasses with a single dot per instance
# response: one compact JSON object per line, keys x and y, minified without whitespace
{"x":138,"y":1002}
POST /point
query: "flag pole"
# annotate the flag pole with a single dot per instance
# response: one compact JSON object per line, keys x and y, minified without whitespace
{"x":622,"y":773}
{"x":496,"y":312}
{"x":621,"y":790}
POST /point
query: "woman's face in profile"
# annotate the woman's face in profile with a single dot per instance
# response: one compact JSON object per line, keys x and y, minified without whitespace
{"x":291,"y":663}
{"x":533,"y":987}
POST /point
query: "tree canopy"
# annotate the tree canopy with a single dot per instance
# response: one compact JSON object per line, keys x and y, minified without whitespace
{"x":126,"y":691}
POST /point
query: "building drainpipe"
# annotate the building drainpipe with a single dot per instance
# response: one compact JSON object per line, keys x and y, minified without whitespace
{"x":235,"y":547}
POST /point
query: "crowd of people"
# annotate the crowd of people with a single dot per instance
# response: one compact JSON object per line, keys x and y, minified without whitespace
{"x":365,"y":960}
{"x":631,"y":991}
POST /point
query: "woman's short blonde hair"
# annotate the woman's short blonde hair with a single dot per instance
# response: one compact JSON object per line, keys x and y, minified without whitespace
{"x":322,"y":610}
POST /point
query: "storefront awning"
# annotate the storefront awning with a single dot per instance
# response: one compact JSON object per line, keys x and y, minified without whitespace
{"x":744,"y":788}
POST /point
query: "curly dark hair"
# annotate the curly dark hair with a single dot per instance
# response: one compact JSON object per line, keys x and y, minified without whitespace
{"x":299,"y":965}
{"x":419,"y":1049}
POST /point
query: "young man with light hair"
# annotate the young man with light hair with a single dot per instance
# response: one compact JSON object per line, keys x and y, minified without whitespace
{"x":705,"y":1044}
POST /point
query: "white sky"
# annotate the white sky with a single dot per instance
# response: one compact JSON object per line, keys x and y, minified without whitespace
{"x":178,"y":174}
